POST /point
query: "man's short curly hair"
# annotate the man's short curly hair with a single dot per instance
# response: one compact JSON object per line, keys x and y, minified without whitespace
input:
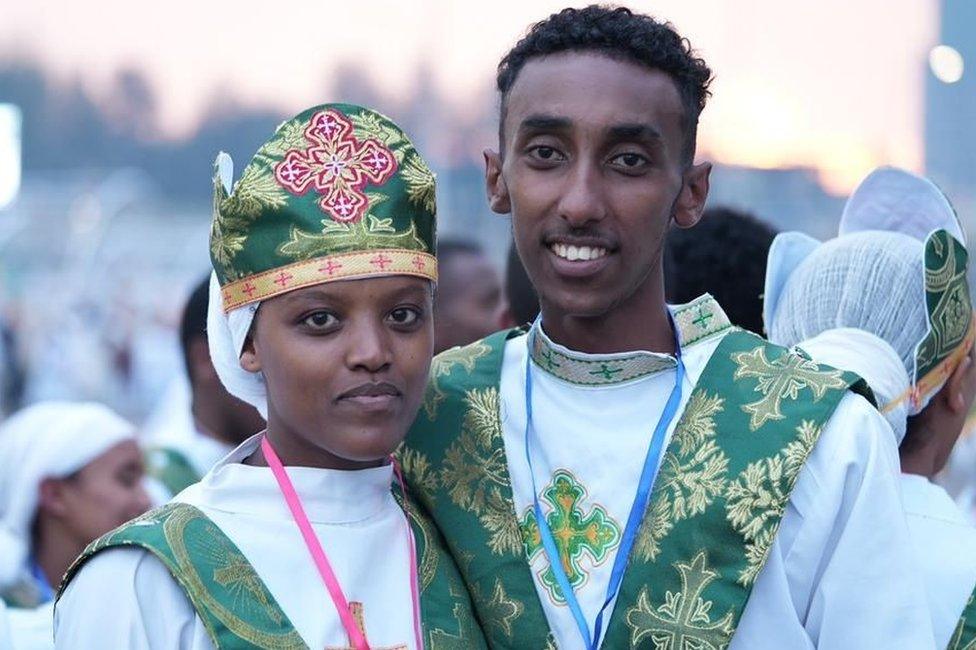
{"x":619,"y":33}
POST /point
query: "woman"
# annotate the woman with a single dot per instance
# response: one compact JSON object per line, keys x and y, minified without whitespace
{"x":69,"y":472}
{"x":320,"y":316}
{"x":889,"y":300}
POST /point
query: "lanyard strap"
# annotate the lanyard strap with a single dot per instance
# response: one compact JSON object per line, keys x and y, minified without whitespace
{"x":356,"y":637}
{"x":647,"y":478}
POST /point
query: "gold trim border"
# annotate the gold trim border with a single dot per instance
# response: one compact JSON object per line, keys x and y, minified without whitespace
{"x":340,"y":266}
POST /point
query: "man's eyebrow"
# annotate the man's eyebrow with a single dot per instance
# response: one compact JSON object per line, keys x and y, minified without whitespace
{"x":634,"y":131}
{"x":541,"y":122}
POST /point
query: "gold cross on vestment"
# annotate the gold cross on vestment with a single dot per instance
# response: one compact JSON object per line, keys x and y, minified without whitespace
{"x":357,"y":613}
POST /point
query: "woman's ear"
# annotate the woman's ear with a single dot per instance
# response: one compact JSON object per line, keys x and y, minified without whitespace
{"x":50,"y":497}
{"x":498,"y":198}
{"x":250,"y":359}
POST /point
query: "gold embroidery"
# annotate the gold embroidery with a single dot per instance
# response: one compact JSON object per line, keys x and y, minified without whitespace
{"x":780,"y":379}
{"x":474,"y":471}
{"x":228,"y":561}
{"x":756,"y":499}
{"x":369,"y":234}
{"x":683,"y":621}
{"x":690,"y":478}
{"x":369,"y":125}
{"x":358,"y":614}
{"x":501,"y":610}
{"x":956,"y":643}
{"x":442,"y":366}
{"x":441,"y":640}
{"x":420,"y":183}
{"x":416,"y":467}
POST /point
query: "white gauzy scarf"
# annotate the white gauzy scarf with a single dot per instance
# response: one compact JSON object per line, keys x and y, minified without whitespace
{"x":226,"y":334}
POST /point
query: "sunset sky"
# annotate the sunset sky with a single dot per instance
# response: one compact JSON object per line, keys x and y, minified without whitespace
{"x":833,"y":84}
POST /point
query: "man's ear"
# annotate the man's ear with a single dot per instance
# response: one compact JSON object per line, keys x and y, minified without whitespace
{"x":955,"y":386}
{"x":250,"y":359}
{"x":498,"y":199}
{"x":50,"y":497}
{"x":694,"y":192}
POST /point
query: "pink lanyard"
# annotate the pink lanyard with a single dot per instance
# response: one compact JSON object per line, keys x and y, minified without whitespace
{"x":356,"y":636}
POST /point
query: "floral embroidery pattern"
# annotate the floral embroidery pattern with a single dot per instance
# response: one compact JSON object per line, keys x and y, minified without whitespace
{"x":475,"y":472}
{"x":575,"y":533}
{"x":683,"y":621}
{"x":336,"y":165}
{"x":691,"y":476}
{"x":442,"y":366}
{"x":757,"y":498}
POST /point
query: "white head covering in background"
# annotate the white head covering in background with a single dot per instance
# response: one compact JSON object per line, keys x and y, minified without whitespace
{"x":869,"y":278}
{"x":48,"y":440}
{"x":226,"y":334}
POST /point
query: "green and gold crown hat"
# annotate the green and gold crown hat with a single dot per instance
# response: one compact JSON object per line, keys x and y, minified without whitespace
{"x":338,"y":193}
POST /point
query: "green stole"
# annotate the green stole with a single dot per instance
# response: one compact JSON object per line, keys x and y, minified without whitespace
{"x":236,"y":607}
{"x":964,"y":638}
{"x":171,"y":468}
{"x":725,"y":480}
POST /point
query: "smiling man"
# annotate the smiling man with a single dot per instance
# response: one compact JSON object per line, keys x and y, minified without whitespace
{"x":626,"y":473}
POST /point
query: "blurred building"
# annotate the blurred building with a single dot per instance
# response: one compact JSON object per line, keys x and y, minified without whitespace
{"x":950,"y":104}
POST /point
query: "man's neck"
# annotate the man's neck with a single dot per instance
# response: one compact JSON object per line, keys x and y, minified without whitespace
{"x":208,"y":422}
{"x":633,"y":325}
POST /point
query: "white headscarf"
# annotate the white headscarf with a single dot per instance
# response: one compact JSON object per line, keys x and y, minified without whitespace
{"x":226,"y":334}
{"x":873,"y":359}
{"x":48,"y":440}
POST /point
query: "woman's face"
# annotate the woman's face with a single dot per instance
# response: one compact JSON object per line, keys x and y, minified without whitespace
{"x":102,"y":495}
{"x":345,"y":364}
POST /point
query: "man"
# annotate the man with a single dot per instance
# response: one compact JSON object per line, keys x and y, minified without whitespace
{"x":217,"y":421}
{"x":774,"y":521}
{"x":468,"y":296}
{"x":724,"y":255}
{"x":888,"y":299}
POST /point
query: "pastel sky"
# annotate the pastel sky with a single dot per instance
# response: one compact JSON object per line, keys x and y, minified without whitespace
{"x":834,"y":84}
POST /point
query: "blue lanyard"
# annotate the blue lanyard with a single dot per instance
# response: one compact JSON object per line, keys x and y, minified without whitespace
{"x":46,"y":592}
{"x":648,"y":475}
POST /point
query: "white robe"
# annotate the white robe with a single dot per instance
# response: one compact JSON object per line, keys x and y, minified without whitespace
{"x":839,"y":573}
{"x":126,"y":598}
{"x":945,"y":544}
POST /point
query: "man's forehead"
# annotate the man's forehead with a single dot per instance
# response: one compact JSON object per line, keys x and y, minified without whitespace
{"x":592,"y":90}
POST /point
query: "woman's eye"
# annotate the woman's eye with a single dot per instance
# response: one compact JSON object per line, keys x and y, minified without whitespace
{"x":404,"y":316}
{"x":320,"y":320}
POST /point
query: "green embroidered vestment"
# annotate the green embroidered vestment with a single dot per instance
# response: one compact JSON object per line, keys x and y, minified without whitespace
{"x":236,"y":607}
{"x":727,"y":474}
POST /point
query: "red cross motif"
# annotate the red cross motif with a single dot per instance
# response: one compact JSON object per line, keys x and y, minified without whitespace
{"x":249,"y":289}
{"x":419,"y":263}
{"x":283,"y":279}
{"x":381,"y":261}
{"x":330,"y":267}
{"x":336,"y":165}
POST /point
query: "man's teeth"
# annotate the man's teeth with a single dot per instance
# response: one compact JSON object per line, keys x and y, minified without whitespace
{"x":573,"y":253}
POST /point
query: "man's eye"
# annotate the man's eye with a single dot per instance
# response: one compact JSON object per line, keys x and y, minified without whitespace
{"x":319,"y":320}
{"x":629,"y":160}
{"x":404,"y":316}
{"x":543,"y":152}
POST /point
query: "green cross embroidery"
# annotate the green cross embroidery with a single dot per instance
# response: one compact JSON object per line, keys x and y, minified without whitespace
{"x":575,"y":533}
{"x":548,"y":356}
{"x":703,"y":318}
{"x":606,"y":372}
{"x":782,"y":378}
{"x":684,"y":620}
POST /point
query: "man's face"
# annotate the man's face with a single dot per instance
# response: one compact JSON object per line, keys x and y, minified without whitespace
{"x":593,"y":172}
{"x":468,"y":301}
{"x":345,"y":365}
